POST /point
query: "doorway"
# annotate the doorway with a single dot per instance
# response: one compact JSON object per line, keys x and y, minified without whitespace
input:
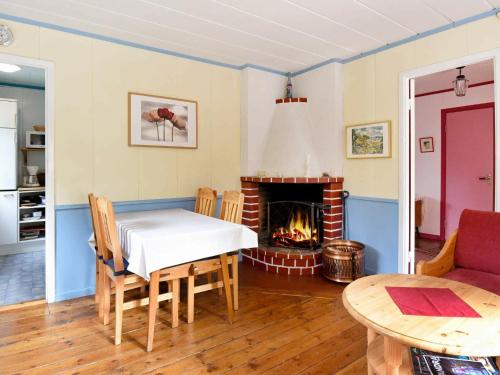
{"x":27,"y":240}
{"x":467,"y":162}
{"x":410,"y":144}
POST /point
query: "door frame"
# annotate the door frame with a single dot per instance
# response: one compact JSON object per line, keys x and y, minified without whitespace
{"x":50,"y":229}
{"x":445,"y":112}
{"x":406,"y":253}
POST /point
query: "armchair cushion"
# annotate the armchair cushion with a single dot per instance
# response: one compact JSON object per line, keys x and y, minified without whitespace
{"x":478,"y":242}
{"x":483,"y":280}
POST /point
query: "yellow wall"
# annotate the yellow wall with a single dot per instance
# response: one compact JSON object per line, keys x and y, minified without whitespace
{"x":371,"y":89}
{"x":92,"y":79}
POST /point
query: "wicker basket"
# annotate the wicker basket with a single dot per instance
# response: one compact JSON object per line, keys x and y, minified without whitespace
{"x":343,"y":260}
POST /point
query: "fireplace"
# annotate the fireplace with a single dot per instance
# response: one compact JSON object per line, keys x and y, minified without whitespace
{"x":295,"y":224}
{"x":293,"y":217}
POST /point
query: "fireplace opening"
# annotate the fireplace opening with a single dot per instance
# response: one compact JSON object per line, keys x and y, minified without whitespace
{"x":295,"y":224}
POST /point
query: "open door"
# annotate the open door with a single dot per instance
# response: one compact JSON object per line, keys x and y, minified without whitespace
{"x":411,"y":168}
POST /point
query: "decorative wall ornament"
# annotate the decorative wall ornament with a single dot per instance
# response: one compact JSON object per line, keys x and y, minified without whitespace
{"x":426,"y":144}
{"x":159,"y":121}
{"x":371,"y":140}
{"x":6,"y":36}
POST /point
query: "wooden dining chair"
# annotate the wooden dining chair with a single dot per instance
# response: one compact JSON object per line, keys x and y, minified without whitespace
{"x":98,"y":255}
{"x":206,"y":200}
{"x":115,"y":274}
{"x":231,"y":210}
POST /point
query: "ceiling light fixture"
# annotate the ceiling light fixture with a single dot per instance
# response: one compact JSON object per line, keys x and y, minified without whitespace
{"x":6,"y":36}
{"x":9,"y":68}
{"x":460,"y":84}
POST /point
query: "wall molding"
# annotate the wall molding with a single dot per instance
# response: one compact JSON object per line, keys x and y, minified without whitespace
{"x":373,"y":51}
{"x":85,"y":206}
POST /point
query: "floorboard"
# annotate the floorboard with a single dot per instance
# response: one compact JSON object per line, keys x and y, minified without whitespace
{"x":285,"y":325}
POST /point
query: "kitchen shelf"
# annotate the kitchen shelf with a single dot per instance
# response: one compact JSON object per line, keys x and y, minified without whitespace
{"x":33,"y":239}
{"x":30,"y":207}
{"x":31,"y":221}
{"x":32,"y":149}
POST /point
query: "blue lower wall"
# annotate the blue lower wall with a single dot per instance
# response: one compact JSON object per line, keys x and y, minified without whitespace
{"x":374,"y":222}
{"x":75,"y":262}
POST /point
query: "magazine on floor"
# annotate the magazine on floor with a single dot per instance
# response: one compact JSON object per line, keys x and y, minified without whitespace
{"x":429,"y":363}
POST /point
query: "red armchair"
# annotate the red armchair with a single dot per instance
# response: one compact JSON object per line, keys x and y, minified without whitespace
{"x":471,"y":254}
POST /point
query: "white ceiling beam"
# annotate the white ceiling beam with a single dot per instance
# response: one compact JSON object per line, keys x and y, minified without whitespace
{"x":234,"y":29}
{"x":198,"y":35}
{"x":333,"y":21}
{"x":284,"y":26}
{"x":385,"y":16}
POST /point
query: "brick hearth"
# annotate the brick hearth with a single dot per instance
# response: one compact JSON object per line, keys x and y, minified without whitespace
{"x":282,"y":260}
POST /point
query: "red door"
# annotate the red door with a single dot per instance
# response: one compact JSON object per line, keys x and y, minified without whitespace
{"x":468,"y":155}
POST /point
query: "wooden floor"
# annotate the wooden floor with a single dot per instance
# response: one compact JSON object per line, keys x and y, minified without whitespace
{"x":284,"y":326}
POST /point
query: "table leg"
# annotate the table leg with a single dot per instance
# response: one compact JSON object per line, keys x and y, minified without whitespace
{"x":190,"y":296}
{"x":393,"y":356}
{"x":234,"y":269}
{"x":370,"y":336}
{"x":227,"y":287}
{"x":154,"y":286}
{"x":175,"y":302}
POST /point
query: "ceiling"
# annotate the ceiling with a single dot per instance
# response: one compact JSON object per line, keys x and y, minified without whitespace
{"x":475,"y":73}
{"x":285,"y":35}
{"x":27,"y":76}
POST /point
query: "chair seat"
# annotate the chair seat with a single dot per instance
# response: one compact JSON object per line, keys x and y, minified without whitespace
{"x":111,"y":264}
{"x":483,"y":280}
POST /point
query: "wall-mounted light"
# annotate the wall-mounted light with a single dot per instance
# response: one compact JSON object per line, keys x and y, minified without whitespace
{"x":460,"y":83}
{"x":9,"y":68}
{"x":6,"y":36}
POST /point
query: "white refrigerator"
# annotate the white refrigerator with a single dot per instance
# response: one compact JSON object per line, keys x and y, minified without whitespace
{"x":8,"y":172}
{"x":8,"y":144}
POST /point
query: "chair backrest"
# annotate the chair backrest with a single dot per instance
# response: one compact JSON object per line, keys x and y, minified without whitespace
{"x":232,"y":206}
{"x":109,"y":236}
{"x":478,"y":241}
{"x":206,"y":201}
{"x":95,"y":223}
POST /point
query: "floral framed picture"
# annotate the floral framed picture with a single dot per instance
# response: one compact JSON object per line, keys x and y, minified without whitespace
{"x":159,"y":121}
{"x":426,"y":144}
{"x":371,"y":140}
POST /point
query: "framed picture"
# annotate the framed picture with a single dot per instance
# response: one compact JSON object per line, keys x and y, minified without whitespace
{"x":372,"y":140}
{"x":426,"y":144}
{"x":159,"y":121}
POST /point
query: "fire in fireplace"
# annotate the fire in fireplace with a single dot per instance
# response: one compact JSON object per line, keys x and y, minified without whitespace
{"x":293,"y":224}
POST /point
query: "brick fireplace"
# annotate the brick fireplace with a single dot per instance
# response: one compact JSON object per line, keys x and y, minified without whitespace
{"x":321,"y":191}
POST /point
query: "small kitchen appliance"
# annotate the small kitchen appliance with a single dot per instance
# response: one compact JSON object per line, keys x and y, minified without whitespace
{"x":31,"y":179}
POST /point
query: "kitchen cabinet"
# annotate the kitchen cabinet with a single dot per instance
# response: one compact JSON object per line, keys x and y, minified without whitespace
{"x":8,"y":217}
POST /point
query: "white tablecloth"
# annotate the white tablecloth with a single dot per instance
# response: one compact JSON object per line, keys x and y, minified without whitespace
{"x":152,"y":240}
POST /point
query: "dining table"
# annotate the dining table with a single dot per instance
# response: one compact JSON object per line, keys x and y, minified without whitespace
{"x":156,"y":240}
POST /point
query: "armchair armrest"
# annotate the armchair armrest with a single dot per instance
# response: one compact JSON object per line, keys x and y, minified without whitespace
{"x":443,"y":262}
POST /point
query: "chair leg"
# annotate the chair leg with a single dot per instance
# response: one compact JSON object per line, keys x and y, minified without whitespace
{"x":175,"y":288}
{"x":154,"y":286}
{"x":190,"y":295}
{"x":219,"y":278}
{"x":234,"y":271}
{"x":227,"y":287}
{"x":102,"y":292}
{"x":106,"y":297}
{"x":97,"y":286}
{"x":119,"y":294}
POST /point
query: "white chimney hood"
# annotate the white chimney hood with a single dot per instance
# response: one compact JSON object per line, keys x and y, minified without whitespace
{"x":289,"y":151}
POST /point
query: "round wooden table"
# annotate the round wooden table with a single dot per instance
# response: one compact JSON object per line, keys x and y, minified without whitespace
{"x":390,"y":332}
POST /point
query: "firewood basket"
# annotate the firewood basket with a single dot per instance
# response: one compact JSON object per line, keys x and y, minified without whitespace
{"x":343,"y":260}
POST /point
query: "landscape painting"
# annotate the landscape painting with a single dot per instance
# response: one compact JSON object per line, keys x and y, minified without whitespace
{"x":368,"y":140}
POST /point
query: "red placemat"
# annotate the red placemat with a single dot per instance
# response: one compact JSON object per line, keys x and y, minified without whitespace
{"x":430,"y":302}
